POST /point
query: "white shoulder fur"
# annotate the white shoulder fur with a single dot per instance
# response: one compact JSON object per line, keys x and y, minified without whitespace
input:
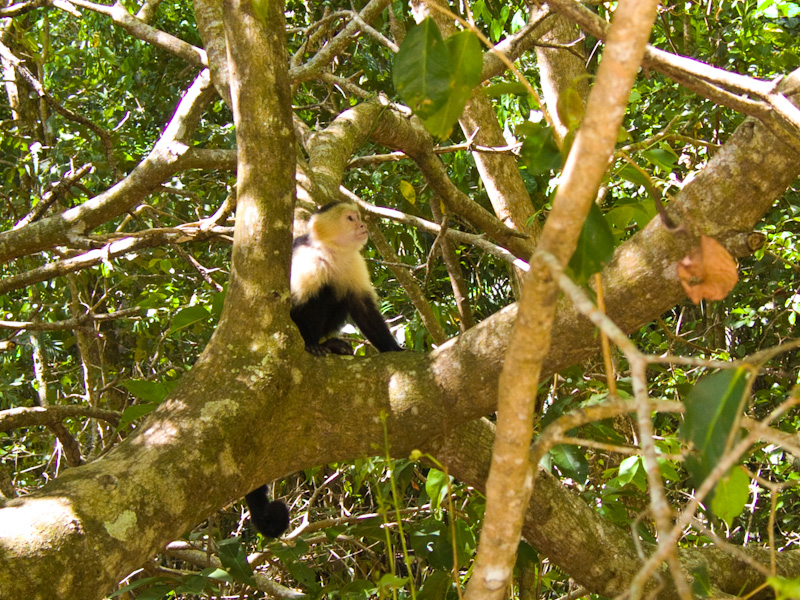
{"x":314,"y":266}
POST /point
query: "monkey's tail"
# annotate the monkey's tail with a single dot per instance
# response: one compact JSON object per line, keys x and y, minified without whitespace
{"x":271,"y":518}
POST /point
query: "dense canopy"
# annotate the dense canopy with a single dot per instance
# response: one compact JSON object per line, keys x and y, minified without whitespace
{"x":584,"y":232}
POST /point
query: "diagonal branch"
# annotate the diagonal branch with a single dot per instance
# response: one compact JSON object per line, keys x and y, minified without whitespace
{"x":716,"y":84}
{"x":147,"y":33}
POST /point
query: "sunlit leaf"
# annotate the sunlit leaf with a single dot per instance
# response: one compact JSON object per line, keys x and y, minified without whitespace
{"x":436,"y":486}
{"x":730,"y":495}
{"x":408,"y":192}
{"x":570,"y":108}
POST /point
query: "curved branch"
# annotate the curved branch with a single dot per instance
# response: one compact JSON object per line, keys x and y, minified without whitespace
{"x":166,"y":158}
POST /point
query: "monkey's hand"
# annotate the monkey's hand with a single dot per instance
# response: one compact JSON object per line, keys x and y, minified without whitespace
{"x":317,"y":349}
{"x":338,"y":346}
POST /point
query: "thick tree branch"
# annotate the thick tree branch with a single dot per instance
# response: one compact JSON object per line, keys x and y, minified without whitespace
{"x":230,"y":420}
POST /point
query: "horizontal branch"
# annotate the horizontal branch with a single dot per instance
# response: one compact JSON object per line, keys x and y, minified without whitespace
{"x":131,"y":243}
{"x":14,"y":418}
{"x":80,"y":322}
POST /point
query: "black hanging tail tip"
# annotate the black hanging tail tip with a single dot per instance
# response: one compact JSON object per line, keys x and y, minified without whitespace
{"x":270,"y":518}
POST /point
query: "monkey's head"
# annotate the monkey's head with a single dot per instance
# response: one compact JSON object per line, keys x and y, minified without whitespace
{"x":339,"y":224}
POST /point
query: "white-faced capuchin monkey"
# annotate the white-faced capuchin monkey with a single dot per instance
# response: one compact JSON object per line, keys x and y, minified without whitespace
{"x":330,"y":282}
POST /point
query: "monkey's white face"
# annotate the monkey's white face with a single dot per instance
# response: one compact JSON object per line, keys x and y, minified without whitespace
{"x":341,"y":227}
{"x":353,"y":231}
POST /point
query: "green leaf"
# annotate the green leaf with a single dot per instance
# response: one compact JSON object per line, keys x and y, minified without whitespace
{"x":233,"y":557}
{"x":570,"y":108}
{"x":408,"y":191}
{"x":421,"y":71}
{"x":466,"y":62}
{"x":701,"y":586}
{"x":390,"y":582}
{"x":193,"y":584}
{"x":188,"y":316}
{"x":217,"y":302}
{"x":218,"y":575}
{"x":595,"y":246}
{"x":435,"y":586}
{"x":358,"y":588}
{"x":465,"y":542}
{"x":628,"y":469}
{"x":785,"y":588}
{"x":496,"y":90}
{"x":539,"y":153}
{"x":157,"y":592}
{"x":150,"y":391}
{"x":710,"y":425}
{"x":292,"y":559}
{"x":571,"y":462}
{"x":436,"y":487}
{"x":137,"y":584}
{"x":663,"y":158}
{"x":132,"y":413}
{"x":633,"y":175}
{"x":430,"y":542}
{"x":730,"y":495}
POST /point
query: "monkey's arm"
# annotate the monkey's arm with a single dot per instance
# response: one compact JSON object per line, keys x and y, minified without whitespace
{"x":365,"y":313}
